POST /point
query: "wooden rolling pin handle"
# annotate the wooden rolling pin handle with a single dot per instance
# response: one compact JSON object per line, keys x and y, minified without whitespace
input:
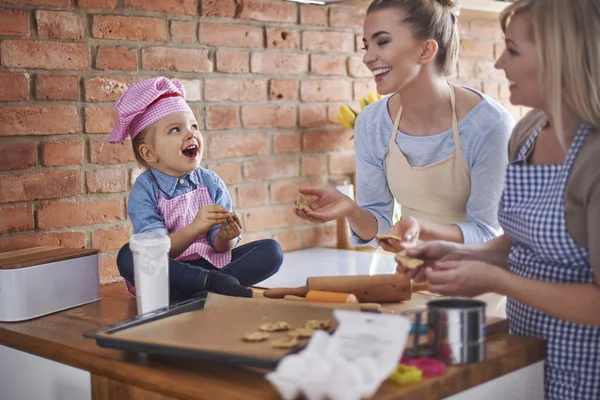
{"x":280,"y":293}
{"x":320,"y":296}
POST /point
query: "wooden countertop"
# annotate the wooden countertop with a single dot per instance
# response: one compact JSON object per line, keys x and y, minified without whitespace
{"x":58,"y":337}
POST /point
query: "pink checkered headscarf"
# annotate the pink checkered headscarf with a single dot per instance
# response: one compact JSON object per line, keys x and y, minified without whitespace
{"x":146,"y":102}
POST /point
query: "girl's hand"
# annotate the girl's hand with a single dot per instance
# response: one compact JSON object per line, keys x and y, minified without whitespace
{"x":408,"y":229}
{"x":208,"y":216}
{"x":430,"y":253}
{"x":463,"y":278}
{"x":230,"y":228}
{"x":330,"y":204}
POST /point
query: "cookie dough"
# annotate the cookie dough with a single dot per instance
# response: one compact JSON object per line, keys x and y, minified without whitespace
{"x":408,"y":262}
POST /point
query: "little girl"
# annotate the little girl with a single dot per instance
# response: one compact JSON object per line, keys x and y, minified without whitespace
{"x":177,"y":197}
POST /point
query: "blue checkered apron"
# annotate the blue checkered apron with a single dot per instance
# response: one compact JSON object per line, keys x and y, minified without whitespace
{"x":532,"y":214}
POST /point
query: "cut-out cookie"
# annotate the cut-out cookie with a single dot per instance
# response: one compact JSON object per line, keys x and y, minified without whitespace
{"x":301,"y":204}
{"x":275,"y":326}
{"x":408,"y":262}
{"x":255,"y":337}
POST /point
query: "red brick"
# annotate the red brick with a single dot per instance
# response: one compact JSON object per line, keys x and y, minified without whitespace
{"x":70,"y":213}
{"x":172,"y":59}
{"x":283,"y":89}
{"x":314,"y":165}
{"x":238,"y":145}
{"x":182,"y":7}
{"x":327,"y":65}
{"x":486,"y":70}
{"x":233,"y":62}
{"x":199,"y":113}
{"x":71,"y":240}
{"x":111,"y":239}
{"x":102,"y":152}
{"x":358,"y":43}
{"x":59,"y":24}
{"x":17,"y":155}
{"x":107,"y":88}
{"x":476,"y":49}
{"x":17,"y":121}
{"x":100,"y":119}
{"x":253,"y":195}
{"x":117,"y":58}
{"x":312,"y":116}
{"x":14,"y":23}
{"x":44,"y":54}
{"x":16,"y":219}
{"x":106,"y":181}
{"x":358,"y":69}
{"x":52,"y":3}
{"x":269,"y":218}
{"x":251,"y":237}
{"x":484,"y":30}
{"x":326,"y":90}
{"x":287,"y":192}
{"x":129,"y":28}
{"x":62,"y":152}
{"x":313,"y":15}
{"x":492,"y":89}
{"x":499,"y":49}
{"x":183,"y":32}
{"x":504,"y":91}
{"x":281,"y":38}
{"x":320,"y":235}
{"x":279,"y":63}
{"x":235,"y":89}
{"x":218,"y":8}
{"x":107,"y":268}
{"x":106,"y":4}
{"x":268,"y":116}
{"x":466,"y":68}
{"x":341,"y":163}
{"x":289,"y":142}
{"x":289,"y":240}
{"x":231,"y":35}
{"x":333,"y":111}
{"x":328,"y":41}
{"x":14,"y":86}
{"x":193,"y":89}
{"x":231,"y":172}
{"x":222,"y":117}
{"x":347,"y":17}
{"x":56,"y":87}
{"x":329,"y":140}
{"x":134,"y":173}
{"x":271,"y":168}
{"x":362,"y":89}
{"x":472,"y":83}
{"x":41,"y":185}
{"x":268,"y":11}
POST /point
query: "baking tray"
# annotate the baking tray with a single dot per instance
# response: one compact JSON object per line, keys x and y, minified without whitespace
{"x":210,"y":328}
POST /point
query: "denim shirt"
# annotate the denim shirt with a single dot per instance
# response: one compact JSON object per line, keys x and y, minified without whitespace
{"x":143,"y":198}
{"x":484,"y":135}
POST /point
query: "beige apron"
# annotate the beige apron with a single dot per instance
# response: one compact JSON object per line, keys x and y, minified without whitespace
{"x":438,"y":192}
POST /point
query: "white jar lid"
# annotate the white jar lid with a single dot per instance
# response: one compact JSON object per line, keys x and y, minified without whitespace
{"x":154,"y":241}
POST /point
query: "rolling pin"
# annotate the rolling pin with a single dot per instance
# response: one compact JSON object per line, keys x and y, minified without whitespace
{"x":366,"y":288}
{"x":373,"y":307}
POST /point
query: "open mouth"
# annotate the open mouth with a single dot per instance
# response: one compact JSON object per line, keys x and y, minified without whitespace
{"x":191,"y":151}
{"x":380,"y":73}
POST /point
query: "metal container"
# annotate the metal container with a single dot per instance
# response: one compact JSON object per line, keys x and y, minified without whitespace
{"x":456,"y":331}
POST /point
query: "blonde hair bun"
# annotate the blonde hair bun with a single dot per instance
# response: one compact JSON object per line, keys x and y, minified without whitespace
{"x":448,"y":3}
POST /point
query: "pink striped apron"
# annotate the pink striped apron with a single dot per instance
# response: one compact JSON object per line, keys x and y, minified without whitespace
{"x":179,"y":212}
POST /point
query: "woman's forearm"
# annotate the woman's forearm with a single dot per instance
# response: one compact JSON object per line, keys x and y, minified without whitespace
{"x":579,"y":303}
{"x":363,"y":223}
{"x":493,"y":251}
{"x":433,"y":231}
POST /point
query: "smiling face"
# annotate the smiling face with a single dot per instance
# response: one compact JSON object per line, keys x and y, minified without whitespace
{"x":520,"y":63}
{"x":175,"y":146}
{"x":392,"y":53}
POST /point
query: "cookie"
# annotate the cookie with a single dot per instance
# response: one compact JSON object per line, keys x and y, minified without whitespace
{"x":388,"y":237}
{"x":285,"y":343}
{"x":255,"y":337}
{"x":301,"y":333}
{"x":275,"y":326}
{"x":301,"y":204}
{"x":408,"y":262}
{"x":317,"y":324}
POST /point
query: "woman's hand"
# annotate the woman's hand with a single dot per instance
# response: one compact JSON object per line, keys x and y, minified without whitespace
{"x":330,"y":204}
{"x":408,"y":229}
{"x":463,"y":278}
{"x":430,"y":253}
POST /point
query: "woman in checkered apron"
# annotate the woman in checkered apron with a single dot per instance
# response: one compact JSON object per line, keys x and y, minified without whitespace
{"x":549,"y":255}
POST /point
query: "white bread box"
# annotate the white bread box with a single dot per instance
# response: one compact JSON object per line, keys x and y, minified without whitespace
{"x":47,"y":279}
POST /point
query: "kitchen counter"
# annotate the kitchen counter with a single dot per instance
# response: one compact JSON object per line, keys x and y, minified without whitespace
{"x":121,"y":375}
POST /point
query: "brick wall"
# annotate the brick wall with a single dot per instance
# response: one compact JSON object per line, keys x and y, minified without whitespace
{"x":265,"y":78}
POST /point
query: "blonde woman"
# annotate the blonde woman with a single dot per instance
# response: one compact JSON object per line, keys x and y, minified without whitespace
{"x":549,"y":255}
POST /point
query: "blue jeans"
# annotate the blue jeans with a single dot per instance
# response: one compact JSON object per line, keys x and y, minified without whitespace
{"x":250,"y":263}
